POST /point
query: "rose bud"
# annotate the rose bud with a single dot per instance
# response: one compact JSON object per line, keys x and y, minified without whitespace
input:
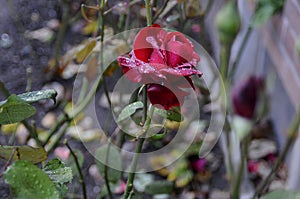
{"x":228,"y":23}
{"x":245,"y":97}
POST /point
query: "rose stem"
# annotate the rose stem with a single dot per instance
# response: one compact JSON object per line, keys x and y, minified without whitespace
{"x":82,"y":182}
{"x":292,"y":135}
{"x":138,"y":150}
{"x":148,"y":12}
{"x":240,"y":52}
{"x":239,"y":177}
{"x":101,"y":26}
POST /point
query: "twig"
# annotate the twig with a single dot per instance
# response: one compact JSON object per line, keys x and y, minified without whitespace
{"x":138,"y":150}
{"x":240,"y":173}
{"x":101,"y":19}
{"x":29,"y":79}
{"x":156,"y":16}
{"x":82,"y":182}
{"x":292,"y":135}
{"x":60,"y":37}
{"x":240,"y":52}
{"x":61,"y":120}
{"x":8,"y":161}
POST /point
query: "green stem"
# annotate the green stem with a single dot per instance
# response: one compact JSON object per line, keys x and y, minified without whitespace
{"x":78,"y":169}
{"x":292,"y":135}
{"x":101,"y":26}
{"x":224,"y":60}
{"x":138,"y":150}
{"x":61,"y":34}
{"x":161,"y":10}
{"x":148,"y":12}
{"x":240,"y":174}
{"x":240,"y":52}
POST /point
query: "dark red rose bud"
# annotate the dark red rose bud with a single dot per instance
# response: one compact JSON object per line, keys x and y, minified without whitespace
{"x":245,"y":96}
{"x":199,"y":165}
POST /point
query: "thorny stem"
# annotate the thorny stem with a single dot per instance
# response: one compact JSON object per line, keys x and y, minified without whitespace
{"x":82,"y":182}
{"x":292,"y":135}
{"x":138,"y":150}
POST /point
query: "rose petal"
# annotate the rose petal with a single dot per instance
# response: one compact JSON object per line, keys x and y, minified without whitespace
{"x":142,"y":48}
{"x":162,"y":96}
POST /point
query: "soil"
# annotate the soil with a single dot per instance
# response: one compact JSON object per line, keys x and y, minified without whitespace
{"x":20,"y":54}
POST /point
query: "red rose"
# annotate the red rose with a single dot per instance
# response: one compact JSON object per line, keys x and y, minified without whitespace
{"x":166,"y":59}
{"x":245,"y":96}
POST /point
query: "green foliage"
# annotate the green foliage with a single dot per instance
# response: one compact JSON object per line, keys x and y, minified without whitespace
{"x":33,"y":155}
{"x":27,"y":181}
{"x":129,"y":110}
{"x":265,"y":9}
{"x":15,"y":109}
{"x":172,"y":114}
{"x":279,"y":194}
{"x":112,"y":157}
{"x":36,"y":96}
{"x":159,"y":187}
{"x":59,"y":174}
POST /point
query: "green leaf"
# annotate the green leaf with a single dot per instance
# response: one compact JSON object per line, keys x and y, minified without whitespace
{"x":262,"y":15}
{"x":33,"y":155}
{"x":279,"y":194}
{"x":129,"y":110}
{"x":28,"y":181}
{"x":265,"y":9}
{"x":36,"y":96}
{"x":173,"y":114}
{"x":14,"y":109}
{"x":59,"y":174}
{"x":114,"y":162}
{"x":58,"y":171}
{"x":83,"y":53}
{"x":159,"y":187}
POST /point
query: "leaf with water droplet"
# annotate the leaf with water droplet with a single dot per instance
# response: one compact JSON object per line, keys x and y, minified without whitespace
{"x":15,"y":109}
{"x":59,"y":173}
{"x":129,"y":110}
{"x":23,"y":184}
{"x":36,"y":96}
{"x":172,"y":114}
